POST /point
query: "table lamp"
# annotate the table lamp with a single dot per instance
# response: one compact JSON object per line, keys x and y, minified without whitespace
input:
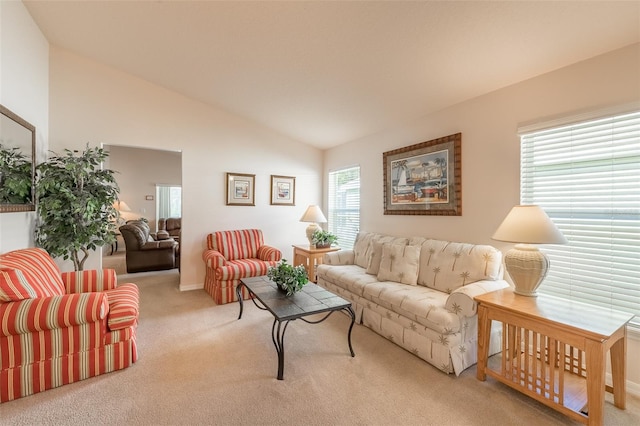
{"x":313,"y":215}
{"x":526,"y":225}
{"x":121,"y":207}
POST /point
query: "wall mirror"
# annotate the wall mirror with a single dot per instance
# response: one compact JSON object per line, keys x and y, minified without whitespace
{"x":17,"y":163}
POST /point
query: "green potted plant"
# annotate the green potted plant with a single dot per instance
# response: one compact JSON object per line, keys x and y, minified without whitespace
{"x":323,"y":239}
{"x":15,"y":176}
{"x":75,"y":204}
{"x":287,"y":277}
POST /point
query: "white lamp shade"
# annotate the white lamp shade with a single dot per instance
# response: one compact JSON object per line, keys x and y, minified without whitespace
{"x":121,"y":206}
{"x":313,"y":215}
{"x":528,"y":224}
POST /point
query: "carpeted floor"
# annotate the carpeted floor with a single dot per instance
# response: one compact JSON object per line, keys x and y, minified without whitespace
{"x":200,"y":365}
{"x":114,"y":261}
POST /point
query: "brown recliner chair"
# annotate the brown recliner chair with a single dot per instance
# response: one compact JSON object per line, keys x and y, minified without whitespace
{"x":143,"y":253}
{"x":172,"y":226}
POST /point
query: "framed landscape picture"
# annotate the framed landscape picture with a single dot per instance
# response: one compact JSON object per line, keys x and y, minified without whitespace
{"x":283,"y":190}
{"x":240,"y":189}
{"x":424,"y":179}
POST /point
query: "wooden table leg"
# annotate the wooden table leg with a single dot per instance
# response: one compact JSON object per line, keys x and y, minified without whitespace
{"x":595,"y":353}
{"x":618,"y":353}
{"x":484,"y":336}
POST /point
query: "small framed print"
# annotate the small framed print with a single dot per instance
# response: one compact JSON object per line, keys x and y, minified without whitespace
{"x":240,"y":189}
{"x":283,"y":190}
{"x":148,"y":197}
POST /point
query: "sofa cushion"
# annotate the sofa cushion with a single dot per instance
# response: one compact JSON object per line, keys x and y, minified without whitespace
{"x":446,"y":265}
{"x":420,"y":304}
{"x":38,"y":268}
{"x":375,"y":256}
{"x":350,"y":277}
{"x":236,"y":244}
{"x":14,"y":286}
{"x":363,"y":246}
{"x":399,"y":263}
{"x":241,"y":268}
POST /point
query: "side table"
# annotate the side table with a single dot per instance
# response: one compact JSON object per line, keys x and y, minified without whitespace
{"x":554,"y":351}
{"x":310,"y":258}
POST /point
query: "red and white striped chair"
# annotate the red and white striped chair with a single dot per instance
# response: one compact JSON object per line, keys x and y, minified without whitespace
{"x":58,"y":328}
{"x":232,"y":255}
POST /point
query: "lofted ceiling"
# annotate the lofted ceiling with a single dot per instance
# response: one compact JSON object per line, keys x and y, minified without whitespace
{"x":326,"y":73}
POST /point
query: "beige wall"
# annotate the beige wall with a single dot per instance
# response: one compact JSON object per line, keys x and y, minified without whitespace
{"x":24,"y":89}
{"x":491,"y":150}
{"x":93,"y":103}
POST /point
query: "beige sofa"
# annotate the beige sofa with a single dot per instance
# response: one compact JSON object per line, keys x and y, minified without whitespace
{"x":418,"y":293}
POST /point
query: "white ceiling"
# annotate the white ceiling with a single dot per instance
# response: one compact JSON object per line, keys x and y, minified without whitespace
{"x":326,"y":73}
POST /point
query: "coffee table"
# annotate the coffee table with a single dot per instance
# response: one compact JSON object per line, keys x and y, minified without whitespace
{"x":312,"y":299}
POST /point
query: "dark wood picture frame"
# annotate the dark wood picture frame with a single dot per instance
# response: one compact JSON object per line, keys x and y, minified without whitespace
{"x":241,"y":189}
{"x":425,"y":178}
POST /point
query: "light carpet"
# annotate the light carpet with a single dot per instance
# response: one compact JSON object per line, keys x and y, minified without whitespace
{"x":200,"y":365}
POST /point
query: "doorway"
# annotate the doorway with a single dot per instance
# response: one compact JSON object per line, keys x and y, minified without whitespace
{"x":139,"y":174}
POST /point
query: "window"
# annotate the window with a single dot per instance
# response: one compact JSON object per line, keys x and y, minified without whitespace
{"x":586,"y":176}
{"x":169,"y":201}
{"x":344,"y":205}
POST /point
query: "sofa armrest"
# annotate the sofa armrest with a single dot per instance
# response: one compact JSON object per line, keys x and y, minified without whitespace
{"x":340,"y":257}
{"x":266,"y":252}
{"x":90,"y":280}
{"x":123,"y":306}
{"x":213,"y":259}
{"x":50,"y":313}
{"x":461,"y":301}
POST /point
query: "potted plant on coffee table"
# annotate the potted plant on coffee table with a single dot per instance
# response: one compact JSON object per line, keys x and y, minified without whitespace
{"x":323,"y":239}
{"x":287,"y":277}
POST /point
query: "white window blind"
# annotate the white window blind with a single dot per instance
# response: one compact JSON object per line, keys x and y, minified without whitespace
{"x":586,"y":176}
{"x":344,"y":205}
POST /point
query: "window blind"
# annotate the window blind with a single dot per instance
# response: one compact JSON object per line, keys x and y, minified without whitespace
{"x":586,"y":176}
{"x":344,"y":205}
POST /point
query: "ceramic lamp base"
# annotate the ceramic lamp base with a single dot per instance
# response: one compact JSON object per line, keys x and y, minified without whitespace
{"x":527,"y":267}
{"x":311,"y":229}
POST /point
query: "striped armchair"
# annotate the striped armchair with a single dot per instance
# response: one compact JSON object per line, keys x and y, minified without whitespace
{"x":232,"y":255}
{"x":58,"y":328}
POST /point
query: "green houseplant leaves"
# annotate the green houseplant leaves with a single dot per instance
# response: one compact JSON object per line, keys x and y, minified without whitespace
{"x":288,"y":277}
{"x":75,"y":204}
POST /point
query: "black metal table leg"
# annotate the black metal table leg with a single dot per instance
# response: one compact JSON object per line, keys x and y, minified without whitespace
{"x":277,"y":334}
{"x":353,"y":320}
{"x":239,"y":295}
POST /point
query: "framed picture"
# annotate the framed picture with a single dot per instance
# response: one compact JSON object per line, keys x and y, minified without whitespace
{"x":424,"y":179}
{"x":241,"y":189}
{"x":283,"y":190}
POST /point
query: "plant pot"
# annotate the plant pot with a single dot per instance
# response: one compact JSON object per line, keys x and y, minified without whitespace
{"x":323,"y":246}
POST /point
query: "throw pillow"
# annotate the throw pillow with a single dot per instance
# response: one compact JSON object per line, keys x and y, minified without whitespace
{"x":14,"y":286}
{"x":399,"y":263}
{"x":375,"y":256}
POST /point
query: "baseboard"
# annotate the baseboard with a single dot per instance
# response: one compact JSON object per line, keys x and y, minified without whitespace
{"x":633,"y":388}
{"x":189,"y":287}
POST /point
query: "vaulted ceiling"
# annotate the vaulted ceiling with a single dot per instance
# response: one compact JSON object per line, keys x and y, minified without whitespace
{"x":326,"y":73}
